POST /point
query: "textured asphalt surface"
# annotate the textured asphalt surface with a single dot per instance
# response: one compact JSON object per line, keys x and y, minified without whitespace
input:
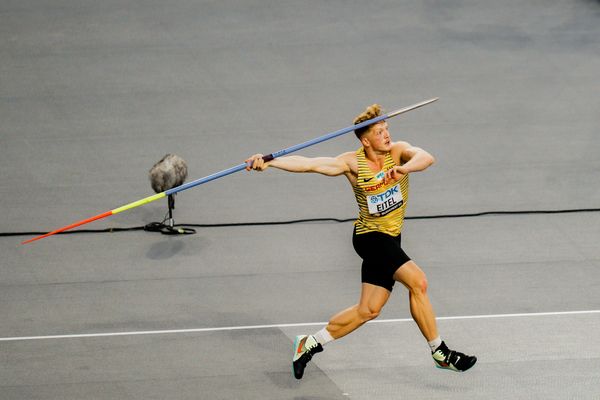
{"x":92,"y":94}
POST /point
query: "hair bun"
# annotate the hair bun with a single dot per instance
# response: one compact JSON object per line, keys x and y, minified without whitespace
{"x":370,"y":112}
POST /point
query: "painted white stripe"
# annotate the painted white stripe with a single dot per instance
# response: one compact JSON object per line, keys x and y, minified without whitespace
{"x":541,"y":314}
{"x":253,"y":327}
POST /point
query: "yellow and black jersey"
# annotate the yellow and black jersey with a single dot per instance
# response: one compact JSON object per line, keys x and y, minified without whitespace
{"x":381,"y":207}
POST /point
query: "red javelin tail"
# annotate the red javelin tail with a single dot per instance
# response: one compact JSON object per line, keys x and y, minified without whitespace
{"x":66,"y":228}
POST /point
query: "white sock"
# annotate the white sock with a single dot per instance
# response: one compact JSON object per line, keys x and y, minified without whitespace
{"x":323,"y":336}
{"x":435,"y":343}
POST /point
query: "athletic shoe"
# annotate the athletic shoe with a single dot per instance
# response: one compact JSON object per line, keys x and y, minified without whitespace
{"x":445,"y":358}
{"x":304,"y":348}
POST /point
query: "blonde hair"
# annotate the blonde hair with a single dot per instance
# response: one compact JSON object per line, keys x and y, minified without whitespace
{"x":370,"y":112}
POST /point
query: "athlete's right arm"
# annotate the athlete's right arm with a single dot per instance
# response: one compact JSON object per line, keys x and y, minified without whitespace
{"x":330,"y":166}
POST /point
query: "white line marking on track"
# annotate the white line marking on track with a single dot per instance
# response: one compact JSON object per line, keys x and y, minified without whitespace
{"x":252,"y":327}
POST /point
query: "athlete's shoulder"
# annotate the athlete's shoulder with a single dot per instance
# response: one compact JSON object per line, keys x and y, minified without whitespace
{"x":397,"y":150}
{"x":400,"y":146}
{"x":348,"y":157}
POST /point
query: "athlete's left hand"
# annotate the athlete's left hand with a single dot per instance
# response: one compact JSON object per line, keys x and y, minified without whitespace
{"x":394,"y":174}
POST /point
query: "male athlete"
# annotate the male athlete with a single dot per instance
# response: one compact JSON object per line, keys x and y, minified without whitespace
{"x":378,"y":173}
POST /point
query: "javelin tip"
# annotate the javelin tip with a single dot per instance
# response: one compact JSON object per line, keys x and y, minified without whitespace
{"x":410,"y":108}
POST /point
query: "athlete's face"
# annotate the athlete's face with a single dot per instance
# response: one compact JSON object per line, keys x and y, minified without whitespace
{"x":379,"y":138}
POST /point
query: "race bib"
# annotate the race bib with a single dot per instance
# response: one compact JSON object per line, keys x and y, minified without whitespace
{"x":386,"y":202}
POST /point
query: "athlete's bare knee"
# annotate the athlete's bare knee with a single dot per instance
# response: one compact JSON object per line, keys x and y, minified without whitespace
{"x":367,"y":313}
{"x":419,"y":286}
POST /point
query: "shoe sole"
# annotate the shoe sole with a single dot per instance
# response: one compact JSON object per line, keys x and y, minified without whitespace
{"x":454,"y":369}
{"x":294,"y":355}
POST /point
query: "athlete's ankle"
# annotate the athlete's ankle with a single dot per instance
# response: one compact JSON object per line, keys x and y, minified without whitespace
{"x":323,"y":336}
{"x":434,"y":344}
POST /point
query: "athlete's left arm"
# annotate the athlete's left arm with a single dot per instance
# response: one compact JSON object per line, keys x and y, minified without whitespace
{"x":410,"y":158}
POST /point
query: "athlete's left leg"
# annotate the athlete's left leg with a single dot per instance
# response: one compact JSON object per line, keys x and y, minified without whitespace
{"x":411,"y":276}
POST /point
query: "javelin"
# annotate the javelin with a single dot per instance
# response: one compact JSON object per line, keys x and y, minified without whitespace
{"x":231,"y":170}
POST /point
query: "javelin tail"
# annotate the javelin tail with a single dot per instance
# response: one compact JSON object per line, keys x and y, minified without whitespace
{"x":73,"y":225}
{"x":100,"y":216}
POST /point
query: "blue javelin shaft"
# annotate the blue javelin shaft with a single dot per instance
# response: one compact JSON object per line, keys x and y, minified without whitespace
{"x":297,"y":147}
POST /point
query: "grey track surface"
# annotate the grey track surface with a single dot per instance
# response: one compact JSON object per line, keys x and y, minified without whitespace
{"x":93,"y":93}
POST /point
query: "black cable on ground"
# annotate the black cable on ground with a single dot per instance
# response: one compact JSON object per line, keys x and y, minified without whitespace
{"x":181,"y":228}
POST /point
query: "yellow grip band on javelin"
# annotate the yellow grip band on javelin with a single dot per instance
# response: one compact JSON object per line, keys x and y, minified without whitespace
{"x":139,"y":203}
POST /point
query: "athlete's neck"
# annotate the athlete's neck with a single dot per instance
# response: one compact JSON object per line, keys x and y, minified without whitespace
{"x":376,"y":158}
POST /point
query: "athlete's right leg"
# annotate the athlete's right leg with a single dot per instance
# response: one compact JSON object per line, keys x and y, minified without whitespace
{"x":372,"y":300}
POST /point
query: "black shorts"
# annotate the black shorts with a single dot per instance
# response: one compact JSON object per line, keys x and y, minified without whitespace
{"x":382,"y":256}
